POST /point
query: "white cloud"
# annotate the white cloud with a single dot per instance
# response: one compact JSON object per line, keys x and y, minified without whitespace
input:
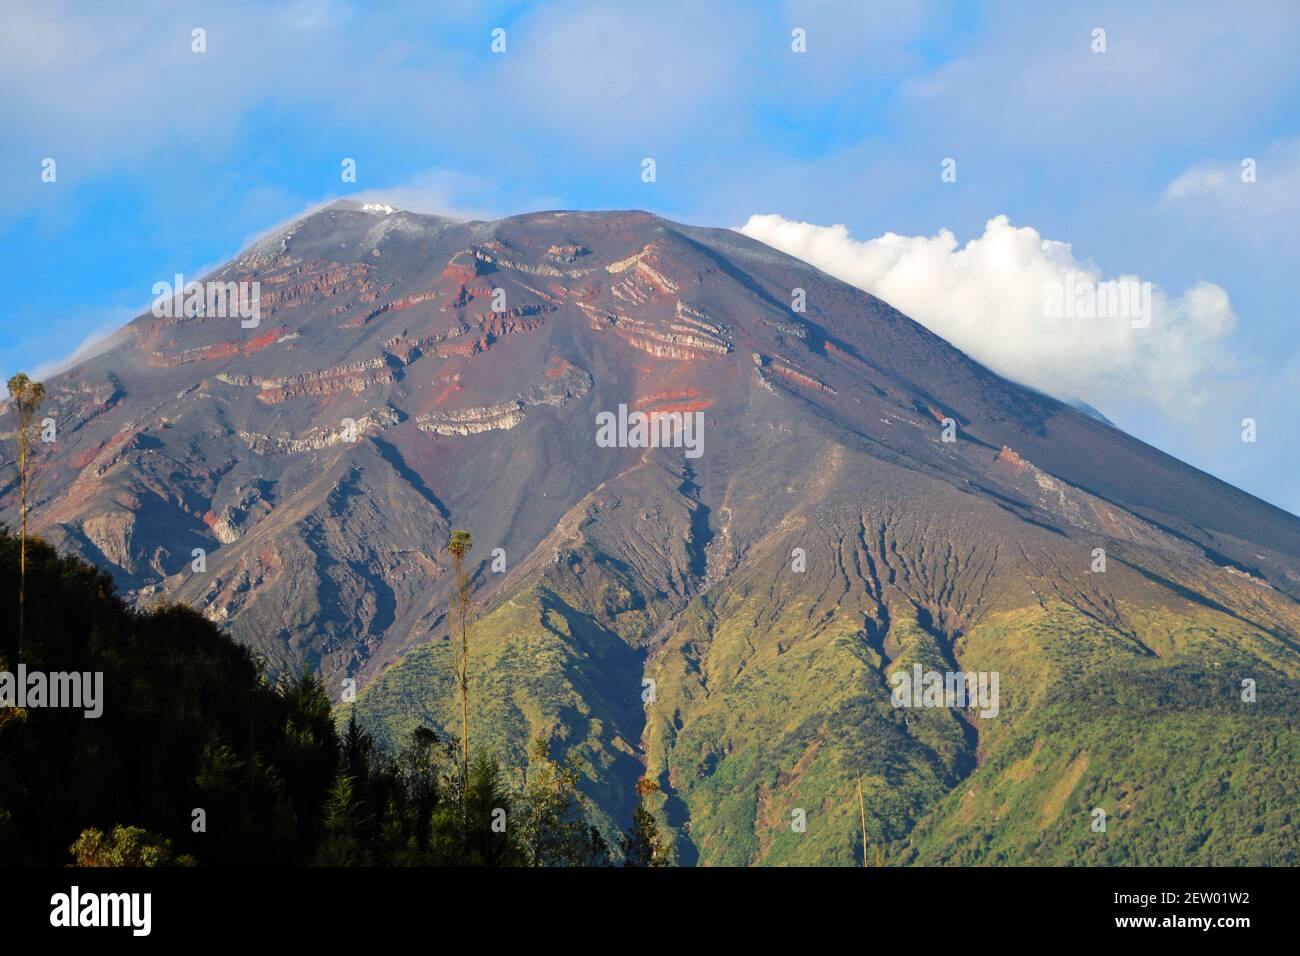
{"x":990,"y":299}
{"x":92,"y":98}
{"x":98,"y":341}
{"x":1263,"y":211}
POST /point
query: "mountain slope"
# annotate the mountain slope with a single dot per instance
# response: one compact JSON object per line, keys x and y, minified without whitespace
{"x":826,"y":538}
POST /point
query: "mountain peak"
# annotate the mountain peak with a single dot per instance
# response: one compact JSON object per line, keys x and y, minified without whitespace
{"x":855,"y":495}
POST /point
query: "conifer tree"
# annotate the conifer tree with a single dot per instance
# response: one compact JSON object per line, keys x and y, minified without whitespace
{"x":341,"y":842}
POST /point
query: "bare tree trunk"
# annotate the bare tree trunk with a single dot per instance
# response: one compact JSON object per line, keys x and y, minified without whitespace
{"x":460,"y":544}
{"x":464,"y":701}
{"x":862,"y":808}
{"x":22,"y":538}
{"x":462,"y":670}
{"x":26,"y":397}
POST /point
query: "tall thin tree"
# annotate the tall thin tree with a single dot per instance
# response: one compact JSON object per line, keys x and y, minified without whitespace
{"x":26,"y":397}
{"x":459,"y":546}
{"x":862,"y":808}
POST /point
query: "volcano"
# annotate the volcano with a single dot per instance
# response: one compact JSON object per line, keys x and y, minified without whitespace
{"x":865,"y":500}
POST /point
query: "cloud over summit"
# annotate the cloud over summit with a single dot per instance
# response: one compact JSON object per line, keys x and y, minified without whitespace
{"x":988,"y":297}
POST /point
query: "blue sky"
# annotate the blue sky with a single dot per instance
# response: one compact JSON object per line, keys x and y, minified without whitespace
{"x":170,"y":160}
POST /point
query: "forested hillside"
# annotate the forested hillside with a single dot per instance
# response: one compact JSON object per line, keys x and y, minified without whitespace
{"x":198,"y":759}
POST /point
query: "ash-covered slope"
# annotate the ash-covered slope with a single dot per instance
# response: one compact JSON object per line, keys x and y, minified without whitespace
{"x":410,"y":374}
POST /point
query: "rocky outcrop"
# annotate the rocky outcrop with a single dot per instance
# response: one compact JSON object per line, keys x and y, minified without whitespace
{"x":792,"y":329}
{"x":698,"y":322}
{"x":520,"y":319}
{"x":646,"y":282}
{"x":319,"y":438}
{"x":563,"y":384}
{"x":768,"y":366}
{"x":112,"y":534}
{"x":462,"y":268}
{"x":406,"y":349}
{"x":355,"y":377}
{"x":305,"y":283}
{"x":231,"y":592}
{"x":499,"y":254}
{"x":239,"y":516}
{"x":688,"y":338}
{"x":473,"y":420}
{"x":466,"y":295}
{"x":221,"y":350}
{"x":463,"y":349}
{"x":395,"y":305}
{"x":681,"y":400}
{"x":566,"y":252}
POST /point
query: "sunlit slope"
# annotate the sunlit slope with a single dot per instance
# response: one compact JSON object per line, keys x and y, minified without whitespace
{"x":767,"y":688}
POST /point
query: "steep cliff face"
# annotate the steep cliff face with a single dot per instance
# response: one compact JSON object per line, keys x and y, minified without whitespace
{"x":730,"y":617}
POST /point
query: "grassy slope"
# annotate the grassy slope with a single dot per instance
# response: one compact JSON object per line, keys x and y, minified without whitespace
{"x":751,"y":723}
{"x":540,"y":663}
{"x":772,"y":691}
{"x":1187,"y":772}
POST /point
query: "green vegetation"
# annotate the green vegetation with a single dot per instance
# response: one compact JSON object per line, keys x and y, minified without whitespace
{"x":544,"y":664}
{"x":198,"y":759}
{"x":125,"y":846}
{"x":770,"y":737}
{"x":772,"y":705}
{"x":781,"y":721}
{"x":643,"y":845}
{"x":1186,"y":772}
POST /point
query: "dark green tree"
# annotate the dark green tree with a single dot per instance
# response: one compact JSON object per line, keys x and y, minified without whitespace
{"x":238,"y":770}
{"x":643,"y":845}
{"x":343,"y":840}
